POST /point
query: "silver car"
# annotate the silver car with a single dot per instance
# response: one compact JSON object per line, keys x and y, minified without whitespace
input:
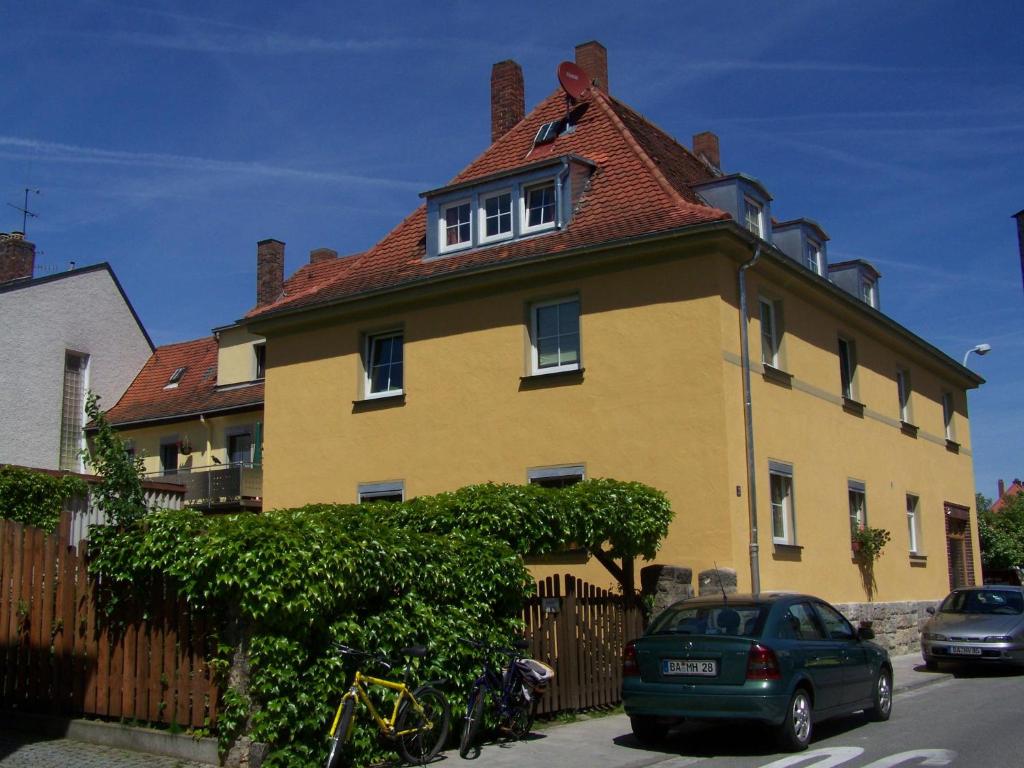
{"x":976,"y":624}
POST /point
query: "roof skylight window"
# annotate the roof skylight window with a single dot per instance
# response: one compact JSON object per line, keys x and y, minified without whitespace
{"x":175,"y":377}
{"x":547,"y":133}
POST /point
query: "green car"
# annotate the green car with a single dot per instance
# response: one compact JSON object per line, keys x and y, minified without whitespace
{"x":783,"y":659}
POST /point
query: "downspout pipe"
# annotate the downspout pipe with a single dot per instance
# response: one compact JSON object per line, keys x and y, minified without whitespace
{"x":748,"y":420}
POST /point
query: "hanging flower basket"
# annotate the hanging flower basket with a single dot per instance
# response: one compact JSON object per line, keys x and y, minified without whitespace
{"x":185,"y":446}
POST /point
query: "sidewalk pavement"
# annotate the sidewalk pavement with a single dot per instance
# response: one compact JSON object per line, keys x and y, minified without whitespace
{"x":607,"y":742}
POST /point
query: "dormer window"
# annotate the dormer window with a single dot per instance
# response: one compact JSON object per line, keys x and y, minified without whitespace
{"x":540,"y":206}
{"x":496,"y":215}
{"x":812,"y":256}
{"x":456,"y":230}
{"x":752,"y":216}
{"x":524,"y":202}
{"x":867,"y":291}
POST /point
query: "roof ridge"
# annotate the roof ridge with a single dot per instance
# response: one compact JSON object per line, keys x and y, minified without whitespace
{"x":602,"y":99}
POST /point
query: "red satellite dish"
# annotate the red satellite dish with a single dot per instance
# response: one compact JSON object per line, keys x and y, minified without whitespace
{"x":574,"y":79}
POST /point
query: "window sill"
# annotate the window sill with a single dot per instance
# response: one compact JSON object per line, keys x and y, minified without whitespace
{"x":952,"y":446}
{"x":908,"y":429}
{"x":378,"y":403}
{"x":793,"y":552}
{"x":852,"y":407}
{"x":778,"y":376}
{"x":555,"y":379}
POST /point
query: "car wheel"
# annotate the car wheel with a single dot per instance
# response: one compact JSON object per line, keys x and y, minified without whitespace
{"x":931,"y":665}
{"x":795,"y":731}
{"x":881,"y":709}
{"x":647,"y":729}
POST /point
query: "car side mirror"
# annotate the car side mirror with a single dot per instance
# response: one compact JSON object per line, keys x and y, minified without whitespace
{"x":865,"y":632}
{"x":930,"y":610}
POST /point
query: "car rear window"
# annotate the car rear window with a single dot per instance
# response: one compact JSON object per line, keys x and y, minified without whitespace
{"x":984,"y":601}
{"x":733,"y":619}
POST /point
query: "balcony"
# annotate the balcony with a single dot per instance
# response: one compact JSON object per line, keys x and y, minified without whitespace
{"x":219,"y":487}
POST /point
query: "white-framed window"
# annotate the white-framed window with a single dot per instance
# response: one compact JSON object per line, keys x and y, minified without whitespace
{"x":812,"y":256}
{"x":753,"y":216}
{"x":241,"y":446}
{"x":175,"y":378}
{"x":913,"y":524}
{"x":72,"y":414}
{"x":169,"y":455}
{"x":556,"y":477}
{"x":770,"y":335}
{"x":857,"y":494}
{"x":393,"y":490}
{"x":496,"y":216}
{"x":384,"y":364}
{"x":260,"y":355}
{"x":903,"y":391}
{"x":555,"y":336}
{"x":868,"y":292}
{"x":947,"y":415}
{"x":780,"y":478}
{"x":847,"y":366}
{"x":539,"y":207}
{"x":456,"y":224}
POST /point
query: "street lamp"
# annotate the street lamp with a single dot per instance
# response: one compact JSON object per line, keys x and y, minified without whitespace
{"x":981,"y":349}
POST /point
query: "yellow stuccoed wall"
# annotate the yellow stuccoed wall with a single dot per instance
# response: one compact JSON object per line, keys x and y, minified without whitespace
{"x":236,"y":360}
{"x":660,"y":402}
{"x":208,"y":439}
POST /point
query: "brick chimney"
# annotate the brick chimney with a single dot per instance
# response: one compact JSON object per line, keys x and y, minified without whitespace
{"x":705,"y":145}
{"x":17,"y":257}
{"x":318,"y":255}
{"x":269,"y":271}
{"x":508,"y":98}
{"x":1002,"y":489}
{"x":592,"y":57}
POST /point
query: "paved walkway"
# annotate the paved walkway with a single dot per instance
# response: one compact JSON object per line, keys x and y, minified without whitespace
{"x":582,"y":743}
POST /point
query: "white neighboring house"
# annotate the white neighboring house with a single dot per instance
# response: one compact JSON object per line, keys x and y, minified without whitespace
{"x":61,"y":335}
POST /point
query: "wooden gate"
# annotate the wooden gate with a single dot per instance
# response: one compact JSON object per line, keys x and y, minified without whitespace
{"x":58,"y":655}
{"x":580,"y":632}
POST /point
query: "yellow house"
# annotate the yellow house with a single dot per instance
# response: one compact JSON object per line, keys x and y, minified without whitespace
{"x":194,"y":415}
{"x":579,"y":302}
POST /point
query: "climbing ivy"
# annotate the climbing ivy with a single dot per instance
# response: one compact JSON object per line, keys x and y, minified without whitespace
{"x":431,"y":571}
{"x":36,"y":498}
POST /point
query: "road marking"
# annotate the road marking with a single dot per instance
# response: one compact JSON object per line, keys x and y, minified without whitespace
{"x":927,"y":756}
{"x":819,"y":758}
{"x":679,"y":762}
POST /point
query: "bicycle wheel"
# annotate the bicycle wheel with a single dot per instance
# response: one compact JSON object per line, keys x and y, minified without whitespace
{"x":521,"y":714}
{"x":341,"y":734}
{"x":426,"y":730}
{"x":473,"y":722}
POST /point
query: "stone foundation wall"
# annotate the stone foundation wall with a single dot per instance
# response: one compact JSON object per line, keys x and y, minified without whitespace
{"x":897,"y":626}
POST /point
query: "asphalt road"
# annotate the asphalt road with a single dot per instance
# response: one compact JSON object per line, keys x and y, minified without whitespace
{"x":969,"y":720}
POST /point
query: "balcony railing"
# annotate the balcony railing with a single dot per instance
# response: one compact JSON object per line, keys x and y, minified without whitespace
{"x":219,"y":486}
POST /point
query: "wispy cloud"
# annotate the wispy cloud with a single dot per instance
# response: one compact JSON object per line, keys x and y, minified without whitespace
{"x":45,"y":151}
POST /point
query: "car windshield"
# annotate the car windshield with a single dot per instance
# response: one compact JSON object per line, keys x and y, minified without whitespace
{"x":737,"y":620}
{"x":984,"y":601}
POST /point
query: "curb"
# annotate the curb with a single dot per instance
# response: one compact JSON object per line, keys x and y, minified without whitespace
{"x":145,"y":740}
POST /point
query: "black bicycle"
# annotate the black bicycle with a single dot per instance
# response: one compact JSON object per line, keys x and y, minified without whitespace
{"x":512,"y":693}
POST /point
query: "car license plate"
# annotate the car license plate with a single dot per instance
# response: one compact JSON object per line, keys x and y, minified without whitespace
{"x":964,"y":650}
{"x":704,"y":667}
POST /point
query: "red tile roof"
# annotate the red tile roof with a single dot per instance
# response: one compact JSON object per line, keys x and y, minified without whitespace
{"x":1012,"y":490}
{"x":197,"y":392}
{"x":641,"y":185}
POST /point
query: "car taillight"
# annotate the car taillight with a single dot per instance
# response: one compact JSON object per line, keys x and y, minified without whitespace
{"x":762,"y":664}
{"x":630,"y":665}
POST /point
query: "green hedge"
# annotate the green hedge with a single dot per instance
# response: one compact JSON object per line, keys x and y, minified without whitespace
{"x":36,"y":498}
{"x":429,"y":571}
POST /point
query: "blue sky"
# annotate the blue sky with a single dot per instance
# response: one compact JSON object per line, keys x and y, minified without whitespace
{"x":169,"y":137}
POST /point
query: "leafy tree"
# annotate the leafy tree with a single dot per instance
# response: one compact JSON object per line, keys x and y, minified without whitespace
{"x":119,"y":493}
{"x":36,"y":498}
{"x":1002,"y":533}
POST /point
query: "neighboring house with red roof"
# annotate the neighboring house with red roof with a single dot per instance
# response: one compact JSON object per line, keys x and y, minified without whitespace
{"x":61,"y":335}
{"x":1006,"y":494}
{"x":589,"y":298}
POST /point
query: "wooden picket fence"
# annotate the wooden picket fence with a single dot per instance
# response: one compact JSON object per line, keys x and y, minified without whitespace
{"x":580,"y":631}
{"x":60,"y":655}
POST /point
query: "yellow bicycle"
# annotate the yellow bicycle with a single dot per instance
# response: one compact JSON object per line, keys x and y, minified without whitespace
{"x":419,"y":720}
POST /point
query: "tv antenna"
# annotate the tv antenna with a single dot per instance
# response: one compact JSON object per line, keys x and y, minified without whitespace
{"x":25,"y":212}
